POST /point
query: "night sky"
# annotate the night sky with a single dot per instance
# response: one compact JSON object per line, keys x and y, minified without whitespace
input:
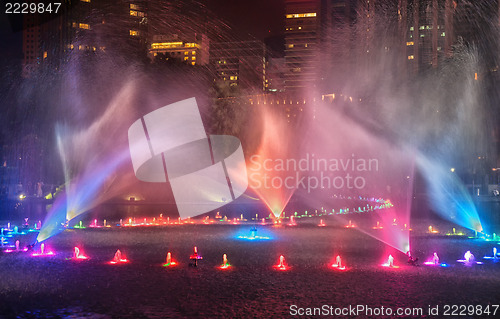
{"x":259,"y":18}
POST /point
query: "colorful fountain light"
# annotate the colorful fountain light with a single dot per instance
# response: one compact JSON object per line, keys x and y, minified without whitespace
{"x":432,"y":230}
{"x":118,"y":258}
{"x":455,"y":233}
{"x":43,"y":252}
{"x":496,"y":255}
{"x":195,"y":257}
{"x":469,"y":259}
{"x":390,"y":263}
{"x":225,"y":264}
{"x":321,"y":224}
{"x":78,"y":255}
{"x":292,"y":221}
{"x":338,"y":264}
{"x":434,"y":261}
{"x":378,"y":226}
{"x":253,"y":235}
{"x":281,"y":265}
{"x":350,"y":225}
{"x":169,"y":262}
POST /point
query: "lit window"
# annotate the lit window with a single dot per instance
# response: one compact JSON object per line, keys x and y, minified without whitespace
{"x":74,"y":24}
{"x":137,"y":13}
{"x":422,"y":35}
{"x":290,"y":46}
{"x":193,"y":63}
{"x":193,"y":58}
{"x":45,"y":54}
{"x":134,"y":33}
{"x":134,"y":6}
{"x":165,"y":45}
{"x":85,"y":0}
{"x":84,"y":26}
{"x":301,"y":15}
{"x":186,"y":58}
{"x":186,"y":52}
{"x":411,"y":28}
{"x":193,"y":52}
{"x":422,"y":27}
{"x":300,"y":28}
{"x":409,"y":43}
{"x":443,"y":34}
{"x":411,"y":57}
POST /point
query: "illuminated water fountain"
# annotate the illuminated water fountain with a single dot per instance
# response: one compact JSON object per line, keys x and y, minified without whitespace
{"x":350,"y":225}
{"x":42,"y":252}
{"x":225,"y":263}
{"x":195,"y":257}
{"x":469,"y":259}
{"x":253,"y":235}
{"x":390,"y":263}
{"x":78,"y":254}
{"x":281,"y":265}
{"x":118,"y":258}
{"x":321,"y":223}
{"x":432,"y":230}
{"x":169,"y":262}
{"x":495,"y":256}
{"x":338,"y":263}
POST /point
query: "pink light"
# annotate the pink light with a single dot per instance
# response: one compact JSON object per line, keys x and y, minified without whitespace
{"x":263,"y":222}
{"x":321,"y":224}
{"x":42,"y":252}
{"x":118,"y":259}
{"x":78,"y":255}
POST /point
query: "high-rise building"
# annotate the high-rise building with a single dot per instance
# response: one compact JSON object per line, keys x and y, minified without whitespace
{"x":124,"y":26}
{"x":302,"y":40}
{"x":428,"y":30}
{"x":240,"y":64}
{"x":191,"y":49}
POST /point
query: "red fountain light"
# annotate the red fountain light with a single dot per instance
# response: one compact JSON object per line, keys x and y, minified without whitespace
{"x":338,"y":264}
{"x":225,"y":264}
{"x":321,"y":224}
{"x":281,"y":265}
{"x":350,"y":225}
{"x":78,"y":255}
{"x":169,"y":262}
{"x":118,"y":259}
